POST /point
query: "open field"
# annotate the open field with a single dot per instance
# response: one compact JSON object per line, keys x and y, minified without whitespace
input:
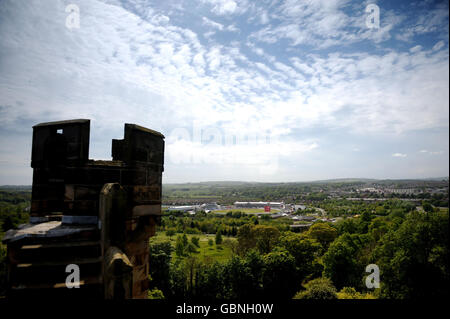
{"x":205,"y":251}
{"x":246,"y":211}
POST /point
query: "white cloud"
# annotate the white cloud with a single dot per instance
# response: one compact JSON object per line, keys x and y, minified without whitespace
{"x":324,"y":24}
{"x":399,"y":155}
{"x":222,"y":7}
{"x":415,"y":49}
{"x":439,"y":45}
{"x":212,"y":24}
{"x":432,"y":152}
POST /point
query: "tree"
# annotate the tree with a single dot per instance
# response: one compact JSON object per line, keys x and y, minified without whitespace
{"x":195,"y":241}
{"x":191,"y":248}
{"x":323,"y":233}
{"x":170,"y":232}
{"x":180,"y":246}
{"x":159,"y":265}
{"x":266,"y":237}
{"x":413,"y":258}
{"x":210,"y":281}
{"x":237,"y":278}
{"x":255,"y":264}
{"x":347,"y":225}
{"x":427,"y":206}
{"x":305,"y":251}
{"x":319,"y":288}
{"x":246,"y":240}
{"x":262,"y":237}
{"x":218,"y":237}
{"x":377,"y":228}
{"x":280,"y":278}
{"x":185,"y":240}
{"x":340,"y":261}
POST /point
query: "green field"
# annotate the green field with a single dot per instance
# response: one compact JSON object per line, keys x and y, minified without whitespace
{"x":205,"y":252}
{"x":246,"y":211}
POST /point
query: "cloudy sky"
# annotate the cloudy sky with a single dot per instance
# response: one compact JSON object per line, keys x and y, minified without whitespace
{"x":291,"y":90}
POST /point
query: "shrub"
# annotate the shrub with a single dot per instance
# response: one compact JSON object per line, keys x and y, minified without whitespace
{"x":320,"y":288}
{"x":195,"y":241}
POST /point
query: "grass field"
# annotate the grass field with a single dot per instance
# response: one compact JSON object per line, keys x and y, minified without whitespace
{"x":205,"y":252}
{"x":246,"y":211}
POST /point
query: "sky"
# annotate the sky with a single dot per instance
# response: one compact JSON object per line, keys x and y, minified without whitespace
{"x":266,"y":91}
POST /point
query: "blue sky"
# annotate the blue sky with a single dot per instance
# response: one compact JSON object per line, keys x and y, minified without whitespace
{"x":276,"y":91}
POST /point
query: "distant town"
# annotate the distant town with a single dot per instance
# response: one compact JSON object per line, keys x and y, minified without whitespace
{"x":301,"y":208}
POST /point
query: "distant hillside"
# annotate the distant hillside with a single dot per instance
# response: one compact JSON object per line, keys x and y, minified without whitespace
{"x":334,"y":180}
{"x":15,"y":187}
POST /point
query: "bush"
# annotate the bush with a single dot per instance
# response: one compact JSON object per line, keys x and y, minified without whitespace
{"x":320,"y":288}
{"x":195,"y":241}
{"x":351,"y":293}
{"x":155,"y":294}
{"x":191,"y":248}
{"x":170,"y":232}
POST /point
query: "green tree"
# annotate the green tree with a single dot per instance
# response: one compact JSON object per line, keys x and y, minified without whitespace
{"x":427,"y":206}
{"x":306,"y":252}
{"x":180,"y":246}
{"x":280,"y":278}
{"x":341,"y":264}
{"x":218,"y":237}
{"x":414,"y":258}
{"x":159,"y":265}
{"x":246,"y":239}
{"x":185,"y":240}
{"x":196,"y":241}
{"x":323,"y":233}
{"x":377,"y":228}
{"x":237,"y":278}
{"x":170,"y":232}
{"x":210,"y":284}
{"x":191,"y":248}
{"x":266,"y":237}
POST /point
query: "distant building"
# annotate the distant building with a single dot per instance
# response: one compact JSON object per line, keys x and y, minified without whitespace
{"x":209,"y":206}
{"x":277,"y":215}
{"x":180,"y":208}
{"x":258,"y":204}
{"x":307,"y":218}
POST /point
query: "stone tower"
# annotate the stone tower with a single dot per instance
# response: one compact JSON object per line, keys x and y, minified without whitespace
{"x":88,"y":217}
